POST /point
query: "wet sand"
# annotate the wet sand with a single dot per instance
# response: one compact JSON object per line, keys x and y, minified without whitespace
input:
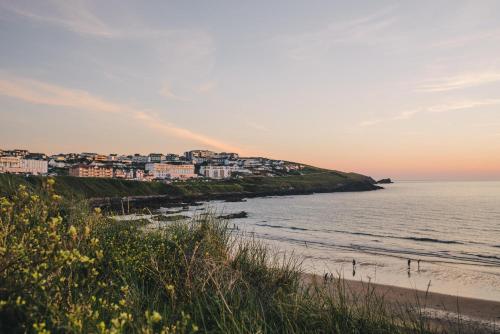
{"x":441,"y":308}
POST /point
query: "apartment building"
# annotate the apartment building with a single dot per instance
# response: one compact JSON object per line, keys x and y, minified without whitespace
{"x":170,"y":171}
{"x":17,"y":165}
{"x":216,"y":172}
{"x":90,"y":171}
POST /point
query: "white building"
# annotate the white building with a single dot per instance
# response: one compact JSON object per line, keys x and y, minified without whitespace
{"x":17,"y":165}
{"x":216,"y":172}
{"x":137,"y":158}
{"x":170,"y":171}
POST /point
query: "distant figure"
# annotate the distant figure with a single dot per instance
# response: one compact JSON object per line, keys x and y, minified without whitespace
{"x":325,"y":277}
{"x":409,"y":264}
{"x":353,"y":267}
{"x":418,"y":264}
{"x":353,"y":272}
{"x":305,"y":242}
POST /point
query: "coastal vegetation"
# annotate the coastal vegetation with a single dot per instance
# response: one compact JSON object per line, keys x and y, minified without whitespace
{"x":313,"y":180}
{"x":65,"y":268}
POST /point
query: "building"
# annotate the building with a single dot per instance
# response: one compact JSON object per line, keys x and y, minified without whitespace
{"x":137,"y":158}
{"x":199,"y":156}
{"x":216,"y":172}
{"x":100,"y":157}
{"x":10,"y":164}
{"x":156,"y":157}
{"x":17,"y":165}
{"x":35,"y":167}
{"x":15,"y":153}
{"x":172,"y":157}
{"x":90,"y":171}
{"x":170,"y":171}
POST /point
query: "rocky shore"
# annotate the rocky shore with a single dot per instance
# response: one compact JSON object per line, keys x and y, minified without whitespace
{"x":130,"y":203}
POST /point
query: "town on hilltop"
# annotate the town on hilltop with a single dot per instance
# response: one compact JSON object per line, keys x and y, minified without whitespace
{"x":155,"y":166}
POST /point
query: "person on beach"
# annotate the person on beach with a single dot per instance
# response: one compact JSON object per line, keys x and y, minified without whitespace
{"x":325,"y":277}
{"x":418,"y":265}
{"x":409,"y":264}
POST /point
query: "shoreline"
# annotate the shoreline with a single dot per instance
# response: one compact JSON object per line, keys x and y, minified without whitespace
{"x":168,"y":200}
{"x":438,"y":306}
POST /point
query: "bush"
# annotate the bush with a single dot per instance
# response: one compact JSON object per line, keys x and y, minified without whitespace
{"x":67,"y":269}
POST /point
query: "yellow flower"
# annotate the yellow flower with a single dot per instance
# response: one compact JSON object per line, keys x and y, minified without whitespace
{"x":51,"y":182}
{"x":170,"y":288}
{"x":72,"y":232}
{"x":156,"y":317}
{"x":97,"y":210}
{"x":56,"y":197}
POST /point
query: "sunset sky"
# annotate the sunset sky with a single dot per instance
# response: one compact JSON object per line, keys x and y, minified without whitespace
{"x":408,"y":90}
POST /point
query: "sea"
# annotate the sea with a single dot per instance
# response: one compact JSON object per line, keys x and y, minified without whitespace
{"x":450,"y":232}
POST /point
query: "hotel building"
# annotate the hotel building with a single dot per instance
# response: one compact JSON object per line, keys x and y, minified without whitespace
{"x":171,"y":171}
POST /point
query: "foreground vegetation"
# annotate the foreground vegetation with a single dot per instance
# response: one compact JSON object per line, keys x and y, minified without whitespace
{"x":66,"y":269}
{"x":312,"y":181}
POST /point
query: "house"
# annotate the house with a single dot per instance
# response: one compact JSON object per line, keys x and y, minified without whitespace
{"x":137,"y":158}
{"x":171,"y":171}
{"x":81,"y":170}
{"x":156,"y":157}
{"x":199,"y":156}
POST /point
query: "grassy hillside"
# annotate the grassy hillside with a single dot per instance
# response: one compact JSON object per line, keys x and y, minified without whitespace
{"x":314,"y":181}
{"x":67,"y":269}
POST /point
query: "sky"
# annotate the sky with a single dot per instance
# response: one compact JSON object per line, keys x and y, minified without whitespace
{"x":408,"y":90}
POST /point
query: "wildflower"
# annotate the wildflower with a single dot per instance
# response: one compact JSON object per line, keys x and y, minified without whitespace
{"x":97,"y":210}
{"x":155,"y":317}
{"x":170,"y":288}
{"x":72,"y":232}
{"x":99,"y":254}
{"x":195,"y":328}
{"x":86,"y":231}
{"x":102,"y":327}
{"x":51,"y":182}
{"x":20,"y":301}
{"x":56,"y":198}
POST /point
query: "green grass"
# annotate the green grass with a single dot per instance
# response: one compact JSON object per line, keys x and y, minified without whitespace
{"x":67,"y":269}
{"x":314,"y":180}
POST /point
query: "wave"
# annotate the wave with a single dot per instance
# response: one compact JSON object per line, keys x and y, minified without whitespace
{"x":435,"y":257}
{"x":421,"y":239}
{"x":281,"y":226}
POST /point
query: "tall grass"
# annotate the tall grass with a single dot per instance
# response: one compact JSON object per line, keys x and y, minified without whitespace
{"x":67,"y":269}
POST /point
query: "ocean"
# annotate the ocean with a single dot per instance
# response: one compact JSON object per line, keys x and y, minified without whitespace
{"x":453,"y":228}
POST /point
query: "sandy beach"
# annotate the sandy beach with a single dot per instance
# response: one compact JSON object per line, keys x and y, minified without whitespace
{"x":444,"y":310}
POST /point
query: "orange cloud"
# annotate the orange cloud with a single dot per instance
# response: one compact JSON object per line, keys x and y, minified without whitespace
{"x":37,"y":92}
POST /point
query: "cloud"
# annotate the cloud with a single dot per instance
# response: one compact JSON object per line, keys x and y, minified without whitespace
{"x":463,"y":40}
{"x":37,"y":92}
{"x":73,"y":15}
{"x":361,"y":30}
{"x":257,"y":126}
{"x":207,"y":87}
{"x":438,"y":108}
{"x":460,"y":81}
{"x":167,"y":92}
